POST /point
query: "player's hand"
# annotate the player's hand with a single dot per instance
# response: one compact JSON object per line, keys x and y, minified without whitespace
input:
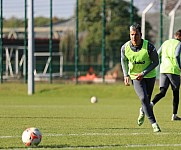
{"x":126,"y":81}
{"x":139,"y":76}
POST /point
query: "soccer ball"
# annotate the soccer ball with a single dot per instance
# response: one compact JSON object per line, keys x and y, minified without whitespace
{"x":94,"y":99}
{"x":31,"y":137}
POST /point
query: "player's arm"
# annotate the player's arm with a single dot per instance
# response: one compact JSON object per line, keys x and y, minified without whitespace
{"x":159,"y":52}
{"x":124,"y":65}
{"x":153,"y":57}
{"x":177,"y":54}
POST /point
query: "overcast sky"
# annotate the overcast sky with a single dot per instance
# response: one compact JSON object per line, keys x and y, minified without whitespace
{"x":61,"y":8}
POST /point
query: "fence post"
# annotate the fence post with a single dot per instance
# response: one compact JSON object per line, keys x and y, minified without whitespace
{"x":1,"y":43}
{"x":50,"y":44}
{"x":77,"y":41}
{"x":131,"y":12}
{"x":103,"y":37}
{"x":161,"y":22}
{"x":25,"y":43}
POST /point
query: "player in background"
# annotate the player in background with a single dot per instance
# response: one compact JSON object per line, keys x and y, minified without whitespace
{"x":138,"y":60}
{"x":170,"y":67}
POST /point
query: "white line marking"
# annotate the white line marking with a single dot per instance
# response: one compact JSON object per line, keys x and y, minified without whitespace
{"x":105,"y":146}
{"x":108,"y":134}
{"x":95,"y":134}
{"x":154,"y":145}
{"x":7,"y":137}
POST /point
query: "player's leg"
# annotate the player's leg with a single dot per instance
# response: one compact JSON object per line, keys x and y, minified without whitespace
{"x":175,"y":105}
{"x":140,"y":92}
{"x":175,"y":84}
{"x":150,"y":82}
{"x":140,"y":89}
{"x":164,"y":84}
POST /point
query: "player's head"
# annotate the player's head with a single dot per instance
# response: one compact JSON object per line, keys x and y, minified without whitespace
{"x":135,"y":34}
{"x":135,"y":27}
{"x":178,"y":35}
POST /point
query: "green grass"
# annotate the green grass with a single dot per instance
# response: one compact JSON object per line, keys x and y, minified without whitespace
{"x":67,"y":119}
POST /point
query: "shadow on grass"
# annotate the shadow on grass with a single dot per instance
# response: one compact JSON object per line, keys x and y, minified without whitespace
{"x":66,"y":146}
{"x":81,"y":146}
{"x":54,"y":117}
{"x":47,"y":90}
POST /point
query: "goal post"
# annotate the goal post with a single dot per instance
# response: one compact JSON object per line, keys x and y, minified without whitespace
{"x":45,"y":57}
{"x":14,"y":60}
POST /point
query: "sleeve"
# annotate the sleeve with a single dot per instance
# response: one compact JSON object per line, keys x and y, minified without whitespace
{"x":177,"y":54}
{"x":159,"y":52}
{"x":124,"y":61}
{"x":153,"y":57}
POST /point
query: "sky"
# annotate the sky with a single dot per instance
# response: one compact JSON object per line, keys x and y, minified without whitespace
{"x":61,"y":8}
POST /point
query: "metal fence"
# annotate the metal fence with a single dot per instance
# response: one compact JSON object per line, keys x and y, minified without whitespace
{"x":65,"y":32}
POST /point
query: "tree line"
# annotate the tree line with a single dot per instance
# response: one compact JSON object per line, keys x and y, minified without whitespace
{"x":14,"y":22}
{"x":90,"y":30}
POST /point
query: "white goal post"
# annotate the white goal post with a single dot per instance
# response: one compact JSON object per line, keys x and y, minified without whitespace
{"x":47,"y":56}
{"x":14,"y":60}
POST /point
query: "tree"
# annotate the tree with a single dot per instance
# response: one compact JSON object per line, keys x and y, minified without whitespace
{"x":117,"y":26}
{"x":14,"y":22}
{"x":67,"y":46}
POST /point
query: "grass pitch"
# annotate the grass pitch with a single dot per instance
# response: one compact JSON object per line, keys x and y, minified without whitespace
{"x":68,"y":120}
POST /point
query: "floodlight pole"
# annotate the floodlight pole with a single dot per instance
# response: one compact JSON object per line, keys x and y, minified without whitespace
{"x":30,"y":47}
{"x":1,"y":42}
{"x":172,"y":17}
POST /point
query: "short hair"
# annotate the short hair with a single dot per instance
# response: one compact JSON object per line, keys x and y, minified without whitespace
{"x":178,"y":33}
{"x":135,"y":27}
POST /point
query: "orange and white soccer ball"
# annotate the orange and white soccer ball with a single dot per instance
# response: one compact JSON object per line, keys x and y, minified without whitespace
{"x":31,"y":137}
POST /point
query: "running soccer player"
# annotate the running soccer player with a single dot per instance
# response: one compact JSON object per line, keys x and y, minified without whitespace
{"x":138,"y":60}
{"x":170,"y":67}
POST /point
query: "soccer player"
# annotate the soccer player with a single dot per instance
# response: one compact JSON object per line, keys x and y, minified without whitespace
{"x":138,"y":60}
{"x":170,"y":67}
